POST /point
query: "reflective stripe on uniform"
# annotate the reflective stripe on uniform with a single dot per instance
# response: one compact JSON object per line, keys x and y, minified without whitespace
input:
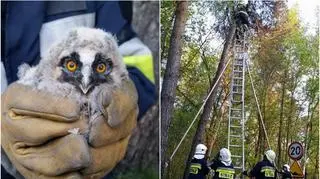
{"x":143,"y":62}
{"x":225,"y":172}
{"x":194,"y":168}
{"x":268,"y":171}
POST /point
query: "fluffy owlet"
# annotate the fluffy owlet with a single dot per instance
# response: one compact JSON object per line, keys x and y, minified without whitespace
{"x":83,"y":66}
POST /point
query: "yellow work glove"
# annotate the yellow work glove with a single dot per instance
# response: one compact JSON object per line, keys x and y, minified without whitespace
{"x":109,"y":144}
{"x":35,"y":133}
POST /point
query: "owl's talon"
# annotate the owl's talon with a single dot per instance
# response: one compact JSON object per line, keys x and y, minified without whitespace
{"x":74,"y":131}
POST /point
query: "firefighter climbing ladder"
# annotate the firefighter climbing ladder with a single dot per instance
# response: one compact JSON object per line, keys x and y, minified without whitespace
{"x":236,"y":117}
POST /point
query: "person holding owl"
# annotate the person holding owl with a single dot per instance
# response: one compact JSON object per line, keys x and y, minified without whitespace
{"x":72,"y":112}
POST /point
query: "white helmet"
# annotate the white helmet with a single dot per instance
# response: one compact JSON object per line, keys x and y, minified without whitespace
{"x":201,"y":150}
{"x":286,"y":167}
{"x":225,"y":156}
{"x":271,"y":156}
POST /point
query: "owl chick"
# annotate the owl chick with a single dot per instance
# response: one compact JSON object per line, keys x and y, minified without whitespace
{"x":84,"y":66}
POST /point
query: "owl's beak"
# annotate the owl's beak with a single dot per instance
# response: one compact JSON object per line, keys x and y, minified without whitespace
{"x":85,"y":88}
{"x":86,"y":84}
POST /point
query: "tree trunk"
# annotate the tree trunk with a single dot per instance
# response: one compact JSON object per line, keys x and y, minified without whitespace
{"x":216,"y":125}
{"x":289,"y":124}
{"x":143,"y":147}
{"x":259,"y":149}
{"x":281,"y":119}
{"x":257,"y":146}
{"x":208,"y":106}
{"x":171,"y":76}
{"x":263,"y":135}
{"x":164,"y":35}
{"x":214,"y":138}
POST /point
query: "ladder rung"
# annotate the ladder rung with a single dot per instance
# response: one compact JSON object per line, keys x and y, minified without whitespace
{"x":233,"y":117}
{"x":236,"y":156}
{"x":237,"y":71}
{"x":238,"y":146}
{"x":237,"y":85}
{"x":235,"y":126}
{"x":237,"y":78}
{"x":237,"y":136}
{"x":236,"y":92}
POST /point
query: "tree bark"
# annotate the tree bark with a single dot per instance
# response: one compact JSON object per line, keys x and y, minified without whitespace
{"x":289,"y":123}
{"x":171,"y":75}
{"x":209,"y":104}
{"x":281,"y":119}
{"x":214,"y":138}
{"x":143,"y":147}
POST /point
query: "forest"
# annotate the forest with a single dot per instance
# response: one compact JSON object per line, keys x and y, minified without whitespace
{"x":283,"y":58}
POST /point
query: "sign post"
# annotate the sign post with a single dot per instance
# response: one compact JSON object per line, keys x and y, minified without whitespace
{"x":295,"y":152}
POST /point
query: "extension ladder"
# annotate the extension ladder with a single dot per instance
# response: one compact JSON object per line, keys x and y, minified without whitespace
{"x":236,"y":125}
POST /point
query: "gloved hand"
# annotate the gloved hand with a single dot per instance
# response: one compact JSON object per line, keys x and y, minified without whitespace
{"x":35,"y":134}
{"x":108,"y":144}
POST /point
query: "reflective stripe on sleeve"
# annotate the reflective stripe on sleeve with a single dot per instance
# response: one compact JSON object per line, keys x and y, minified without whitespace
{"x":143,"y":62}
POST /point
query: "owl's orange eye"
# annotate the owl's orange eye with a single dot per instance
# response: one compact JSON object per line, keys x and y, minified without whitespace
{"x":101,"y":68}
{"x":71,"y":66}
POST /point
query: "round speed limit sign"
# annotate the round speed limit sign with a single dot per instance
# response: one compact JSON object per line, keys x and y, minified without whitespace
{"x":295,"y":150}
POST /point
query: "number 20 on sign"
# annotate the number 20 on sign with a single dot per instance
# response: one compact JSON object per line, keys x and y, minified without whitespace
{"x":295,"y":150}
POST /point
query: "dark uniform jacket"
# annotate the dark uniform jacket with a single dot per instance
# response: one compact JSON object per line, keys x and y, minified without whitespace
{"x":264,"y":170}
{"x":222,"y":171}
{"x":198,"y":169}
{"x":286,"y":175}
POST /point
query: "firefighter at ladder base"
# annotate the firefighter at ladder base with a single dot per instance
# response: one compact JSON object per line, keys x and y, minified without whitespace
{"x":199,"y":168}
{"x":264,"y":169}
{"x":222,"y":165}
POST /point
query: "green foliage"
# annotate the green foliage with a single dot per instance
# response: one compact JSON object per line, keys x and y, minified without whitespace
{"x":283,"y":56}
{"x":140,"y":174}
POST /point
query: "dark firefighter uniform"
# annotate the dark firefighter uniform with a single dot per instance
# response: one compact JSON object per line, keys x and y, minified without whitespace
{"x":286,"y":175}
{"x":198,"y":169}
{"x":263,"y":170}
{"x":222,"y":171}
